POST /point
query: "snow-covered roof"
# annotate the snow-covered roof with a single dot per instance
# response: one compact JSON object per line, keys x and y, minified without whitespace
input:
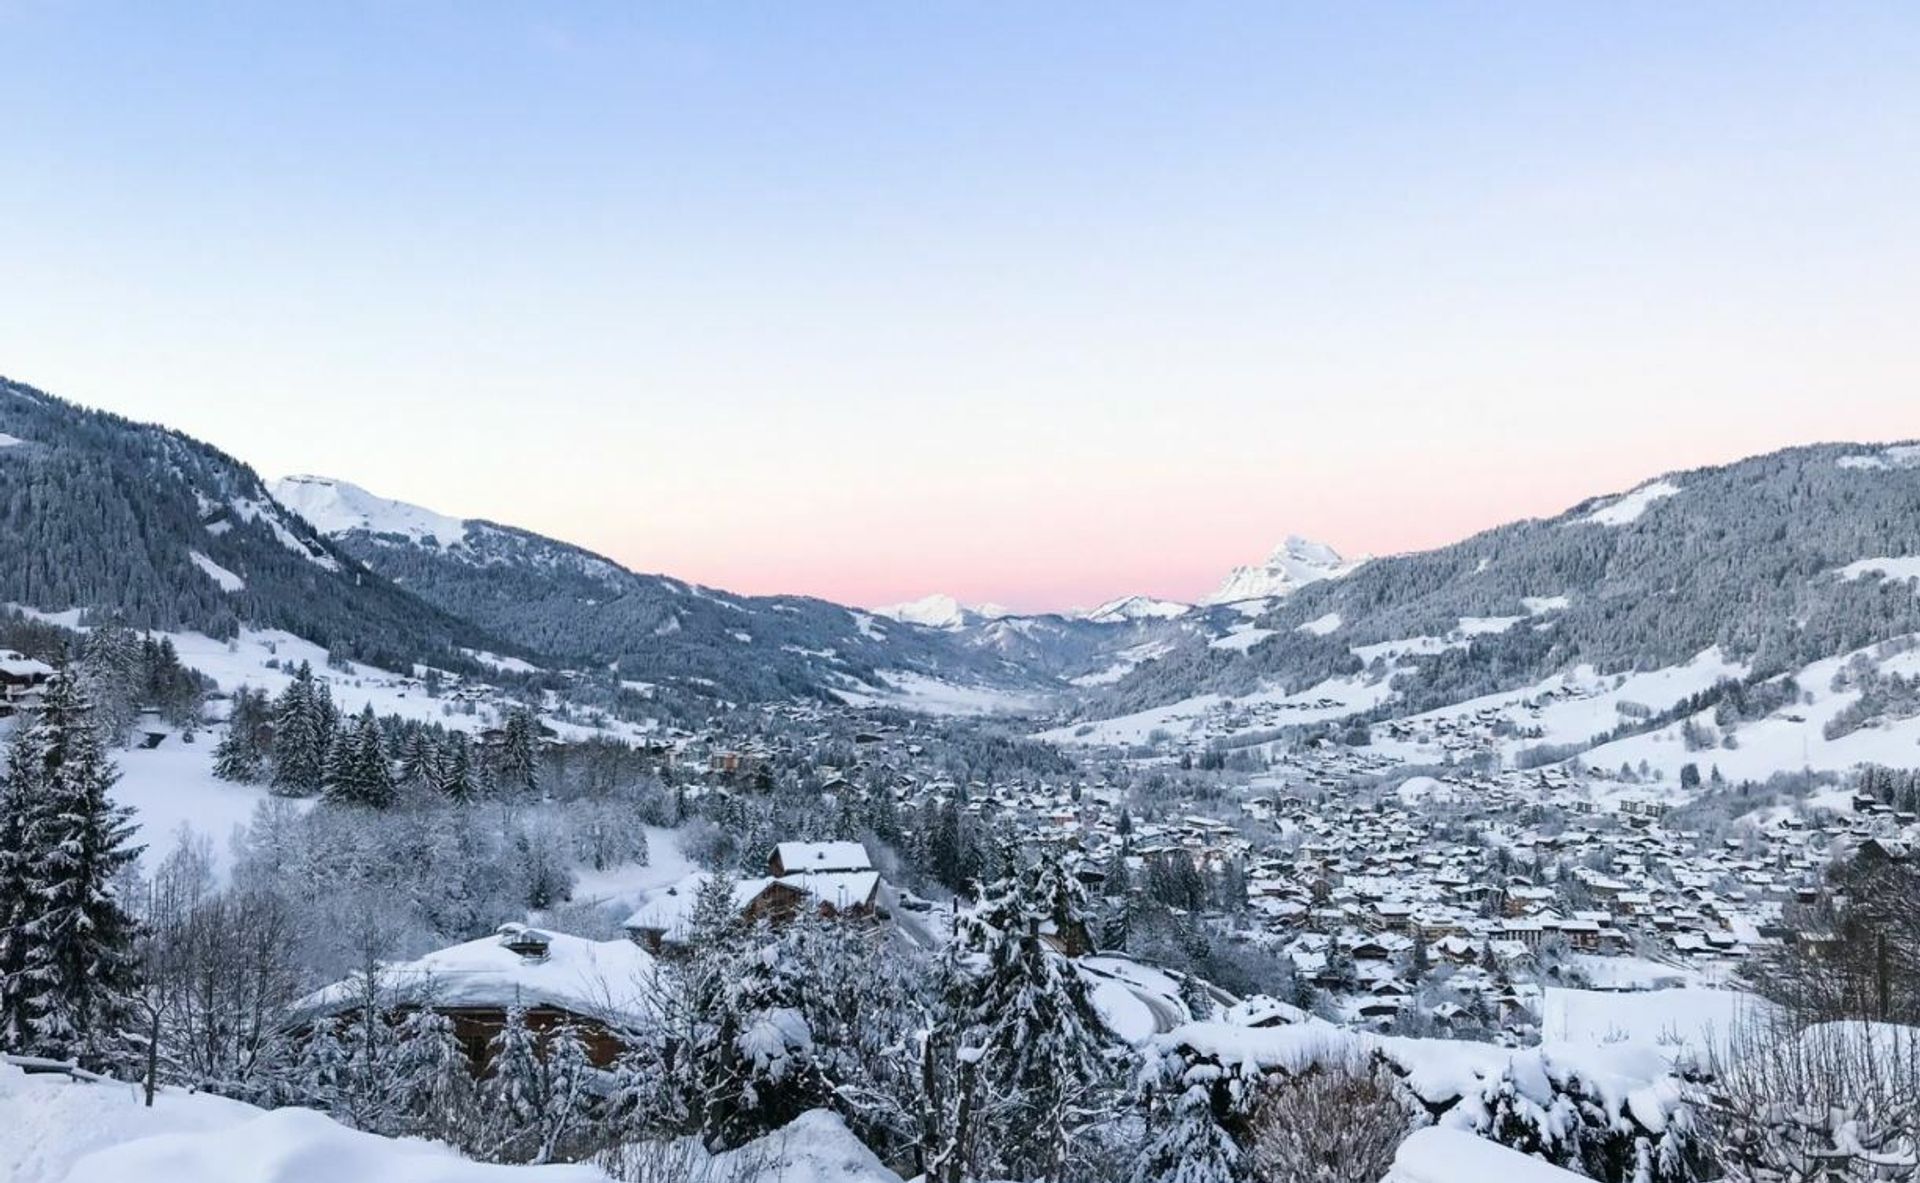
{"x":806,"y":857}
{"x":21,"y":666}
{"x":607,"y":980}
{"x":668,"y":909}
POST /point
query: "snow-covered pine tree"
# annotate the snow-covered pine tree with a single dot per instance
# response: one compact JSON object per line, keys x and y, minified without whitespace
{"x":714,"y":918}
{"x":514,"y":771}
{"x":1044,"y":1050}
{"x":78,"y":964}
{"x":321,"y":1072}
{"x":110,"y":677}
{"x":455,"y":779}
{"x":513,"y":1095}
{"x":302,"y":734}
{"x":570,"y":1093}
{"x":21,"y":793}
{"x":241,"y":754}
{"x":1188,"y":1145}
{"x":759,"y":1054}
{"x":434,"y":1080}
{"x":357,"y":768}
{"x":420,"y":761}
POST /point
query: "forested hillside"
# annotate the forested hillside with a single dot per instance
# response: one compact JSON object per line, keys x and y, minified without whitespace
{"x":1766,"y":559}
{"x":101,"y":513}
{"x":583,"y":608}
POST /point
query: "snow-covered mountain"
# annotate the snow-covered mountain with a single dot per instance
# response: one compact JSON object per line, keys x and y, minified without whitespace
{"x":1293,"y":565}
{"x":337,"y":507}
{"x":1759,"y":575}
{"x":586,"y":611}
{"x":104,"y":514}
{"x":942,"y":611}
{"x":1135,"y":608}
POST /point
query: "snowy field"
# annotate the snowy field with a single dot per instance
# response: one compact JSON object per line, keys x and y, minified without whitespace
{"x":55,"y":1130}
{"x":172,"y":788}
{"x":925,"y":695}
{"x":1334,"y":698}
{"x":1690,"y":1018}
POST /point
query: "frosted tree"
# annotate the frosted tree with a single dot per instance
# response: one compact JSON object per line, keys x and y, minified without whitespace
{"x":1190,"y":1145}
{"x":433,"y":1077}
{"x":1042,"y":1046}
{"x":514,"y":771}
{"x":357,"y":769}
{"x":241,"y":754}
{"x":77,"y":968}
{"x":570,"y":1092}
{"x":757,"y":1054}
{"x":321,"y":1073}
{"x":420,"y":761}
{"x":455,"y":776}
{"x":514,"y":1094}
{"x":302,"y":734}
{"x":110,"y":674}
{"x":21,"y":793}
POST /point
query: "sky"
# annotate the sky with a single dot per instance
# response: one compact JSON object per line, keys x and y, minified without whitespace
{"x":1033,"y":304}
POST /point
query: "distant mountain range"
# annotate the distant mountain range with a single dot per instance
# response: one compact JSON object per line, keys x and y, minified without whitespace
{"x":1774,"y":562}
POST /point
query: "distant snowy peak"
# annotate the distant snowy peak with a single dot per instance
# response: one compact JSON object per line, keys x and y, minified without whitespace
{"x":1292,"y":565}
{"x":1136,"y":608}
{"x":941,"y":611}
{"x":335,"y":508}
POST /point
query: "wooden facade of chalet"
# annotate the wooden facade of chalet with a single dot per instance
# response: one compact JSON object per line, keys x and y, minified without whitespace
{"x":477,"y":1026}
{"x":476,"y":995}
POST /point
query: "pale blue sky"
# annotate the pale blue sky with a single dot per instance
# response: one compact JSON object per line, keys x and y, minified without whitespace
{"x":1032,"y":303}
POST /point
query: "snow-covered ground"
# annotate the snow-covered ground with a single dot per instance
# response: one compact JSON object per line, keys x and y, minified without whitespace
{"x":619,"y":887}
{"x":1241,"y":637}
{"x":56,"y":1130}
{"x":227,"y":580}
{"x":1136,"y":1001}
{"x":1439,"y":1155}
{"x":172,"y":787}
{"x":1626,"y":509}
{"x":1334,"y":698}
{"x":1790,"y":738}
{"x":909,"y":691}
{"x":1690,"y":1018}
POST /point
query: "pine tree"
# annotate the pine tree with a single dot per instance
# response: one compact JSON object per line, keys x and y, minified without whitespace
{"x":514,"y":772}
{"x":570,"y":1095}
{"x":22,"y":792}
{"x":715,"y":917}
{"x":456,"y":779}
{"x":513,"y":1095}
{"x":758,"y":1052}
{"x":420,"y":762}
{"x":110,"y":674}
{"x":357,"y":768}
{"x":1191,"y":1146}
{"x":321,"y":1074}
{"x":435,"y":1081}
{"x":1043,"y":1049}
{"x":77,"y":968}
{"x":241,"y":754}
{"x":302,"y":735}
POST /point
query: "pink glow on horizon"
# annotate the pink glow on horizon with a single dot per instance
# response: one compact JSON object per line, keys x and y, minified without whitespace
{"x":1179,"y":545}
